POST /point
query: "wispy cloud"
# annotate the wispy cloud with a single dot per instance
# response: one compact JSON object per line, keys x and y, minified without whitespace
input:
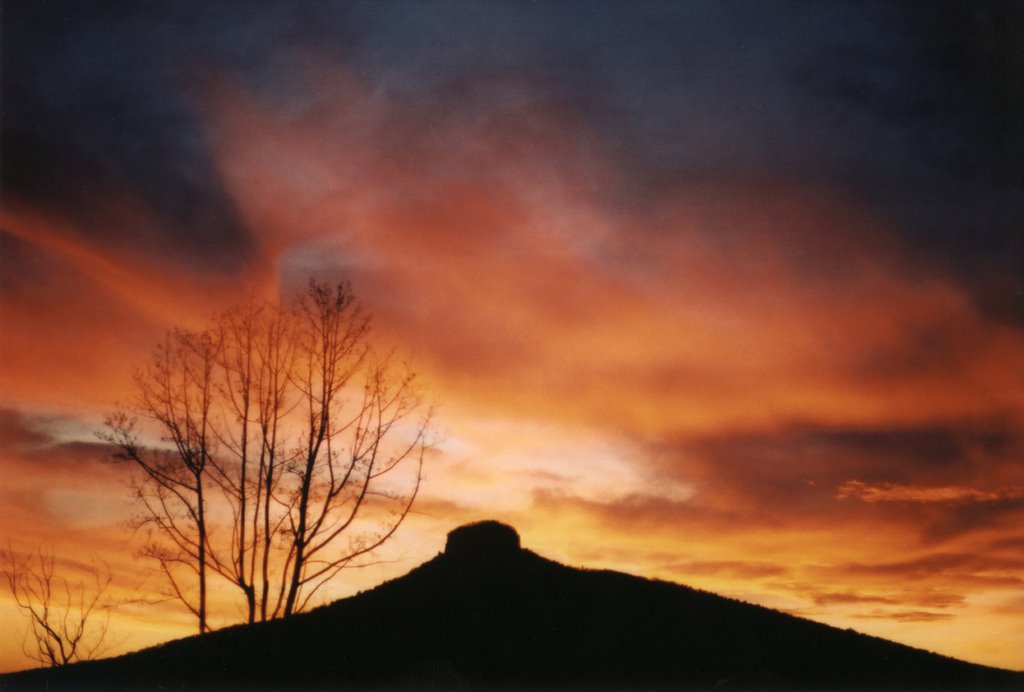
{"x":893,"y":492}
{"x":905,"y":615}
{"x":722,"y":292}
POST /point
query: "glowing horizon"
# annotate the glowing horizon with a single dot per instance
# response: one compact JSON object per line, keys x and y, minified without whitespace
{"x":683,"y":329}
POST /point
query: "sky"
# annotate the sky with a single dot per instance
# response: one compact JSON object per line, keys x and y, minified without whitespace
{"x":726,"y":293}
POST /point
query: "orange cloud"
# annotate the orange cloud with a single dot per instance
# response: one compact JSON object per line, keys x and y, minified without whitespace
{"x":500,"y":253}
{"x":82,"y":312}
{"x":676,"y":383}
{"x":891,"y":492}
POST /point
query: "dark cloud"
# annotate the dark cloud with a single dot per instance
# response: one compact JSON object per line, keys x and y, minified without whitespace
{"x":944,"y":480}
{"x":940,"y":481}
{"x":934,"y":106}
{"x":53,"y":480}
{"x":909,"y":596}
{"x":919,"y":123}
{"x":826,"y":454}
{"x":55,"y":440}
{"x":940,"y":563}
{"x":101,"y":129}
{"x":18,"y":431}
{"x":1002,"y":513}
{"x":21,"y":265}
{"x":927,"y":350}
{"x":905,"y":615}
{"x":1014,"y":543}
{"x":848,"y":597}
{"x":727,"y":568}
{"x":800,"y":467}
{"x":781,"y":238}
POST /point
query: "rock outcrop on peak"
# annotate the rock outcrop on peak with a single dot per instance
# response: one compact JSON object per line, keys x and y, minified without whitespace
{"x":483,"y":540}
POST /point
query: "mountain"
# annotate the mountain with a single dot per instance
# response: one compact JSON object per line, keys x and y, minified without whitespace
{"x":487,"y":613}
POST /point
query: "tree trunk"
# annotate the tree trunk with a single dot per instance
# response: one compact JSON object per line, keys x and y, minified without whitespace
{"x":201,"y":528}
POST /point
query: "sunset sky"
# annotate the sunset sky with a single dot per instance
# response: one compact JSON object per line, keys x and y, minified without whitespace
{"x":725,"y":293}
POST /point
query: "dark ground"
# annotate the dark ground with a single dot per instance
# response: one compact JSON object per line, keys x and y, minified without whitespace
{"x":488,"y":614}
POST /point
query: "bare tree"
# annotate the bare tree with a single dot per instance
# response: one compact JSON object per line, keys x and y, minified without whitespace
{"x":353,"y":403}
{"x":256,"y":359}
{"x":175,"y":391}
{"x":239,"y":331}
{"x":68,"y":620}
{"x":288,"y":451}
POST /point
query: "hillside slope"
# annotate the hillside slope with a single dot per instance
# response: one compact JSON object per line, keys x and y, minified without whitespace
{"x":486,"y":613}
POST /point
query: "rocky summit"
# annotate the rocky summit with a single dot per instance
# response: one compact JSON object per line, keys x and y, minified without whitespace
{"x":483,"y":540}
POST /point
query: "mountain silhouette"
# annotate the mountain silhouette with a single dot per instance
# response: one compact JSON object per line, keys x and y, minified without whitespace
{"x":487,"y":613}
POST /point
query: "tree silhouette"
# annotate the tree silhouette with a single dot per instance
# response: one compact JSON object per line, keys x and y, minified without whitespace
{"x":67,"y":620}
{"x":256,"y":358}
{"x":287,"y":450}
{"x":176,"y":391}
{"x":345,"y":453}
